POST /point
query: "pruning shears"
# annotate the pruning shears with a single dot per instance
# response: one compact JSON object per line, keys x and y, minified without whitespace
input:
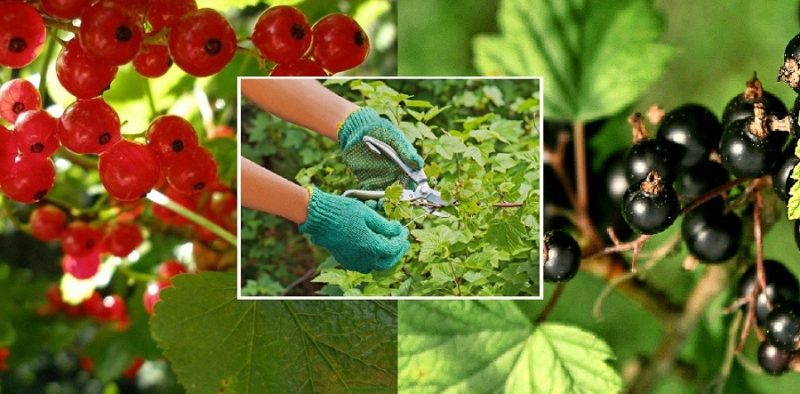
{"x":423,"y":195}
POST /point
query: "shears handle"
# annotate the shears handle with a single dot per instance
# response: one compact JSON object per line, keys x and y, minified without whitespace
{"x":382,"y":148}
{"x":364,"y":194}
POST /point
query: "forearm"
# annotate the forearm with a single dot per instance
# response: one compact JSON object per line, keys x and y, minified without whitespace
{"x":301,"y":101}
{"x":263,"y":190}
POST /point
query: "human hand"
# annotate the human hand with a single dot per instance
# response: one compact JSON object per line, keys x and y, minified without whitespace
{"x":356,"y":236}
{"x":375,"y":172}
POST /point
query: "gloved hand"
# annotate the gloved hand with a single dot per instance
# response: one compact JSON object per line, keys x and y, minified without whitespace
{"x":374,"y":171}
{"x":356,"y":236}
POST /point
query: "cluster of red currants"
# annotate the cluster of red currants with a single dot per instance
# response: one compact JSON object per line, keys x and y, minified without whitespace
{"x":102,"y":309}
{"x":199,"y":41}
{"x":335,"y":43}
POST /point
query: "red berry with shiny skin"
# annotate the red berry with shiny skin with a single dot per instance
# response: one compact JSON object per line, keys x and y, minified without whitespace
{"x":80,"y":239}
{"x":110,"y":33}
{"x":47,"y":222}
{"x":8,"y":150}
{"x":152,"y":61}
{"x":17,"y":96}
{"x":153,"y":294}
{"x":83,"y":267}
{"x":194,"y":172}
{"x":170,"y":268}
{"x":122,"y":239}
{"x":36,"y":133}
{"x":339,"y":43}
{"x":282,"y":34}
{"x":171,"y":137}
{"x":202,"y":43}
{"x":65,"y":9}
{"x":89,"y":126}
{"x":128,"y":170}
{"x":114,"y":308}
{"x":29,"y":178}
{"x":168,"y":216}
{"x":299,"y":68}
{"x":83,"y":76}
{"x":22,"y":34}
{"x":167,"y":13}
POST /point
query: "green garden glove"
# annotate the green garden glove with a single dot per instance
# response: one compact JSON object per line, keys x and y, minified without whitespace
{"x":374,"y":171}
{"x":356,"y":236}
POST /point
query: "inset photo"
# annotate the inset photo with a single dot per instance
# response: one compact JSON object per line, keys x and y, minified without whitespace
{"x":390,"y":187}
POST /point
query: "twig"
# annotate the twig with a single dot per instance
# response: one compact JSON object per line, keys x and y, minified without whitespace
{"x":582,"y":186}
{"x":508,"y":204}
{"x":711,"y":194}
{"x":551,"y":303}
{"x":455,"y":278}
{"x":713,"y":281}
{"x":635,"y":245}
{"x":556,"y":160}
{"x":757,"y":206}
{"x":730,"y":354}
{"x":308,"y":274}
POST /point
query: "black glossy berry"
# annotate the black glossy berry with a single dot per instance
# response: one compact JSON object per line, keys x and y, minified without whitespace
{"x":562,"y":256}
{"x":782,"y":287}
{"x":712,"y":235}
{"x":782,"y":181}
{"x":652,"y":155}
{"x":741,"y":106}
{"x":772,"y":360}
{"x":694,"y":130}
{"x":650,"y":206}
{"x":700,"y":179}
{"x":791,"y":60}
{"x":783,"y":326}
{"x":795,"y":117}
{"x":747,"y":155}
{"x":616,"y":177}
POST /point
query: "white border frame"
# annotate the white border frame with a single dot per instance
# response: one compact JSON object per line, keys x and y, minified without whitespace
{"x":240,"y":136}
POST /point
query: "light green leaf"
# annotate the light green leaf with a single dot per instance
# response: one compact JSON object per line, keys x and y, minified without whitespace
{"x":500,"y":351}
{"x":218,"y":344}
{"x":597,"y":56}
{"x":475,"y":154}
{"x":449,"y":145}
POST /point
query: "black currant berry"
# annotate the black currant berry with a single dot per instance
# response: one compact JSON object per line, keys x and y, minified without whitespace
{"x":648,"y":155}
{"x":795,"y":117}
{"x":782,"y":180}
{"x":797,"y":233}
{"x":782,"y":287}
{"x":790,"y":71}
{"x":772,"y":360}
{"x":712,"y":235}
{"x":700,"y":179}
{"x":694,"y":130}
{"x":650,"y":206}
{"x":562,"y":256}
{"x":749,"y":150}
{"x":616,"y":177}
{"x":783,"y":326}
{"x":742,"y":105}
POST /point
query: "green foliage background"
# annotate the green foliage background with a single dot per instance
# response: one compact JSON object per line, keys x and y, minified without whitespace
{"x":480,"y":142}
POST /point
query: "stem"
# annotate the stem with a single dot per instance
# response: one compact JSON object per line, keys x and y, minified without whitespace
{"x":135,"y":275}
{"x":159,"y":198}
{"x":635,"y":245}
{"x":455,"y":278}
{"x":508,"y":204}
{"x":711,"y":194}
{"x":757,"y":206}
{"x":299,"y":280}
{"x":48,"y":53}
{"x":730,"y":354}
{"x":82,"y":161}
{"x":551,"y":303}
{"x":60,"y":25}
{"x":713,"y":281}
{"x":582,"y":186}
{"x":150,"y":100}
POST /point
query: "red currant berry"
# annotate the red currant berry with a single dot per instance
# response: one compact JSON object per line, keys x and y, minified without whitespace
{"x":83,"y":267}
{"x":153,"y":294}
{"x":167,"y":13}
{"x":36,"y":133}
{"x":122,"y":239}
{"x":300,"y":68}
{"x":22,"y":34}
{"x":171,"y":268}
{"x":171,"y":137}
{"x":194,"y":172}
{"x":8,"y":150}
{"x":47,"y":222}
{"x":138,"y":8}
{"x":128,"y":170}
{"x":167,"y":215}
{"x":114,"y":308}
{"x":65,"y":9}
{"x":282,"y":34}
{"x":54,"y":298}
{"x":16,"y":97}
{"x":339,"y":43}
{"x":152,"y":61}
{"x":81,"y":75}
{"x":29,"y":179}
{"x":93,"y":306}
{"x":110,"y":33}
{"x":89,"y":126}
{"x":202,"y":43}
{"x":133,"y":369}
{"x":80,"y":239}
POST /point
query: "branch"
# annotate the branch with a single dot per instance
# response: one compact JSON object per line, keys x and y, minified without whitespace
{"x":551,"y":303}
{"x":719,"y":190}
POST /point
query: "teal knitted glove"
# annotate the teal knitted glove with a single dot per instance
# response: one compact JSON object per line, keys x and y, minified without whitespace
{"x":356,"y":236}
{"x":375,"y":172}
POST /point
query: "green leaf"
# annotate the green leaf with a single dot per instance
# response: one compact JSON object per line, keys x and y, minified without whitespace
{"x":500,"y":351}
{"x":224,"y":151}
{"x":449,"y":145}
{"x":597,"y":58}
{"x":219,"y":344}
